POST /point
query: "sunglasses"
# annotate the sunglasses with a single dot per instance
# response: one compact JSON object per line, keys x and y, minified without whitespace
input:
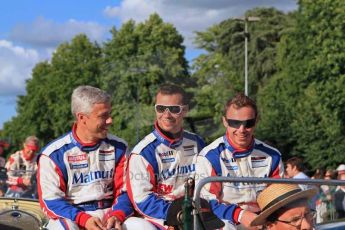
{"x":173,"y":109}
{"x":237,"y":123}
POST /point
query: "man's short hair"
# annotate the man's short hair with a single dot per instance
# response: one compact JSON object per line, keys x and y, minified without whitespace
{"x":171,"y":89}
{"x":296,"y":161}
{"x":240,"y":100}
{"x":85,"y":96}
{"x":33,"y":139}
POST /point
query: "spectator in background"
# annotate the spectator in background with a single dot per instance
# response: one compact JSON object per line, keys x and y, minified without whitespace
{"x":3,"y":176}
{"x":325,"y":204}
{"x":3,"y":144}
{"x":21,"y":167}
{"x":237,"y":154}
{"x":319,"y":174}
{"x":339,"y":195}
{"x":295,"y":169}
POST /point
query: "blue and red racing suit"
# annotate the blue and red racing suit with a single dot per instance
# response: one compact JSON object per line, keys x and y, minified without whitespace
{"x":220,"y":158}
{"x":157,"y":169}
{"x":74,"y":178}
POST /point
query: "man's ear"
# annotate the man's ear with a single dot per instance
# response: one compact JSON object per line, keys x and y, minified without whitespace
{"x":225,"y":122}
{"x":80,"y":117}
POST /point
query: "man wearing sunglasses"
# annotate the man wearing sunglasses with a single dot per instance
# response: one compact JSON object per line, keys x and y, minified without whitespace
{"x":237,"y":154}
{"x":160,"y":164}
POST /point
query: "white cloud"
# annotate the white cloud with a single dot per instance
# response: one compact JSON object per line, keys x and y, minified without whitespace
{"x":46,"y":33}
{"x":191,"y":15}
{"x":16,"y":64}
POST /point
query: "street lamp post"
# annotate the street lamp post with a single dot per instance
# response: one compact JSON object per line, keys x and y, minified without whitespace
{"x":246,"y":35}
{"x":137,"y":70}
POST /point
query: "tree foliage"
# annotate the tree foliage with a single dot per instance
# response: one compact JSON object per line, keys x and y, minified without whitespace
{"x":137,"y":59}
{"x":220,"y":72}
{"x":309,"y":90}
{"x":45,"y":109}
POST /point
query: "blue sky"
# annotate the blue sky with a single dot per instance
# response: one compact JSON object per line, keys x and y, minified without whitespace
{"x":31,"y":30}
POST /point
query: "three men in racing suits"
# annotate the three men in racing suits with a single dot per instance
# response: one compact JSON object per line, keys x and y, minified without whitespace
{"x":237,"y":154}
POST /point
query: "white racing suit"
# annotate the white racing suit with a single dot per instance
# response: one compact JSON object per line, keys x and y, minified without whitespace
{"x":157,"y":169}
{"x":220,"y":158}
{"x":77,"y":180}
{"x":19,"y":168}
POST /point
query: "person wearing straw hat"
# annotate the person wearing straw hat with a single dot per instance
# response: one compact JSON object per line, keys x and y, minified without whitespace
{"x":284,"y":207}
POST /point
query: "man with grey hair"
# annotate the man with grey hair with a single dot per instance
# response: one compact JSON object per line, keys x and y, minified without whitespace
{"x":21,"y":166}
{"x":81,"y":174}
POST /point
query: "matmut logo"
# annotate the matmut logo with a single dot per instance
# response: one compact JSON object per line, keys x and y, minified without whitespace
{"x":76,"y":158}
{"x":85,"y":178}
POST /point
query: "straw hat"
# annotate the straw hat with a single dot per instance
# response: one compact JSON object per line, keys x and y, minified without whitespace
{"x":276,"y":196}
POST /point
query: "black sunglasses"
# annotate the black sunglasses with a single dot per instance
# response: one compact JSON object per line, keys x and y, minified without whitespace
{"x":174,"y":109}
{"x":237,"y":123}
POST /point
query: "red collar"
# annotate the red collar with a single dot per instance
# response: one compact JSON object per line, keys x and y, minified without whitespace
{"x":74,"y":133}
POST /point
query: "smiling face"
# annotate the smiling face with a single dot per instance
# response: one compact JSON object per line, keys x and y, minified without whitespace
{"x":168,"y":121}
{"x":94,"y":126}
{"x":240,"y":136}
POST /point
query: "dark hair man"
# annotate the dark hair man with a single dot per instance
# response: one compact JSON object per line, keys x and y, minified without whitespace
{"x":237,"y":154}
{"x":161,"y":162}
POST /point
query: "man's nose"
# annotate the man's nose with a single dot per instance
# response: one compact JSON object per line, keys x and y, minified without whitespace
{"x":242,"y":128}
{"x":307,"y":224}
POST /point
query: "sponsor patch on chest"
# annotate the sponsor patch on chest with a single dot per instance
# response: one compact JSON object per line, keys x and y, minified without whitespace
{"x":106,"y":157}
{"x":78,"y":161}
{"x":167,"y":156}
{"x":79,"y":166}
{"x":164,"y":188}
{"x":230,"y":164}
{"x":189,"y":150}
{"x":77,"y":158}
{"x":258,"y":162}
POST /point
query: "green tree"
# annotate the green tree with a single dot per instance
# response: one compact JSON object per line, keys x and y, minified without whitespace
{"x":45,"y":109}
{"x":137,"y":59}
{"x":310,"y":88}
{"x":220,"y":72}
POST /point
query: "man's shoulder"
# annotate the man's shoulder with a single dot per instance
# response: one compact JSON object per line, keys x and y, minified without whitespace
{"x":301,"y":175}
{"x":116,"y":139}
{"x":262,"y":146}
{"x":190,"y":135}
{"x":16,"y":155}
{"x":145,"y":142}
{"x":216,"y":145}
{"x":57,"y":144}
